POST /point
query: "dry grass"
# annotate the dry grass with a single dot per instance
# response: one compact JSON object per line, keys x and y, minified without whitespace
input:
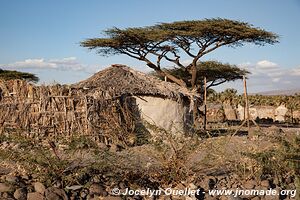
{"x":165,"y":161}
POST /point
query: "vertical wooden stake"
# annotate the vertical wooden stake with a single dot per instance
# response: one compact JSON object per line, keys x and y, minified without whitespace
{"x":205,"y":104}
{"x":246,"y":103}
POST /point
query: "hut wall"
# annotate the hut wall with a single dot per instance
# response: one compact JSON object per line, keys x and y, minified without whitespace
{"x":164,"y":113}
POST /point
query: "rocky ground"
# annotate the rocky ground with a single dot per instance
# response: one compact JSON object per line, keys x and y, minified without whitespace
{"x":35,"y":170}
{"x":25,"y":187}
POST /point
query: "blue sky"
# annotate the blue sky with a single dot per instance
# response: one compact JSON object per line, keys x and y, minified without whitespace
{"x":43,"y":37}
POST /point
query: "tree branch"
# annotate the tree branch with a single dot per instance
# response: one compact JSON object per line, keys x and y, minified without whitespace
{"x":129,"y":54}
{"x":213,"y":83}
{"x":176,"y":60}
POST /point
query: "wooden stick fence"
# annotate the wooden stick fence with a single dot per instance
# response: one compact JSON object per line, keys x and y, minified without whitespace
{"x":62,"y":111}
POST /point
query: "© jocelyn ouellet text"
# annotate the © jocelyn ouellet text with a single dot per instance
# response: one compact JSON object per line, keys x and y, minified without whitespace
{"x":198,"y":192}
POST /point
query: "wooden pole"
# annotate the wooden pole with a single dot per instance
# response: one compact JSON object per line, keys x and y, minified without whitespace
{"x":246,"y":103}
{"x":246,"y":110}
{"x":205,"y":104}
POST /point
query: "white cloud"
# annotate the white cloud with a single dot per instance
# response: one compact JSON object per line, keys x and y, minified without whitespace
{"x":276,"y":73}
{"x":267,"y":75}
{"x":295,"y":71}
{"x":245,"y":65}
{"x":69,"y":63}
{"x":30,"y":63}
{"x":265,"y":64}
{"x":276,"y":79}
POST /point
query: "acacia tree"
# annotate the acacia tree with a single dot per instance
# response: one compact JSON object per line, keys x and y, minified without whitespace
{"x":170,"y":41}
{"x":9,"y":75}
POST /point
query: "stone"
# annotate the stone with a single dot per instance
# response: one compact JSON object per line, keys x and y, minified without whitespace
{"x":211,"y":183}
{"x":276,"y":182}
{"x":39,"y":187}
{"x":35,"y":196}
{"x":74,"y":187}
{"x":4,"y":171}
{"x":11,"y":179}
{"x":83,"y":194}
{"x":20,"y":194}
{"x":180,"y":186}
{"x":5,"y":144}
{"x":102,"y":146}
{"x":192,"y":186}
{"x":5,"y":187}
{"x":123,"y":185}
{"x":57,"y":184}
{"x":54,"y":193}
{"x":34,"y":176}
{"x":96,"y":179}
{"x":25,"y":177}
{"x":249,"y":184}
{"x":113,"y":148}
{"x":6,"y":196}
{"x":265,"y":183}
{"x":289,"y":180}
{"x":98,"y":189}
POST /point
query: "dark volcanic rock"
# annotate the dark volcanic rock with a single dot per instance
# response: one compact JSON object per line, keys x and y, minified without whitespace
{"x":20,"y":194}
{"x":39,"y":187}
{"x":97,"y":189}
{"x":5,"y":187}
{"x":54,"y":193}
{"x":35,"y":196}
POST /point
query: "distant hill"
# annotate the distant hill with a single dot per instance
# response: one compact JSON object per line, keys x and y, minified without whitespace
{"x":279,"y":92}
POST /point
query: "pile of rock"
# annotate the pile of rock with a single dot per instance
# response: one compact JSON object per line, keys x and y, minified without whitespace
{"x":26,"y":188}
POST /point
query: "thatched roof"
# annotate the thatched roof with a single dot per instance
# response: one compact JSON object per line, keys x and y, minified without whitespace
{"x":118,"y":80}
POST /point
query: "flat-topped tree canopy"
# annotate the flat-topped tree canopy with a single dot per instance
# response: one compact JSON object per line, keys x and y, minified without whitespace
{"x":168,"y":41}
{"x":218,"y":31}
{"x":11,"y":75}
{"x":215,"y":72}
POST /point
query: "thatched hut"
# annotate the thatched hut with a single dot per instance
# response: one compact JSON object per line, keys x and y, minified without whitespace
{"x":160,"y":103}
{"x":107,"y":106}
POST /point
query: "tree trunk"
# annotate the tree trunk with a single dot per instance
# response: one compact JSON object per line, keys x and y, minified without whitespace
{"x":193,"y":71}
{"x":175,"y":80}
{"x":194,"y":76}
{"x":205,"y":104}
{"x":169,"y":76}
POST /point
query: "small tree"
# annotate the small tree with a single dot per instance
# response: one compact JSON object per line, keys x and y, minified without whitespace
{"x":215,"y":72}
{"x":10,"y":75}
